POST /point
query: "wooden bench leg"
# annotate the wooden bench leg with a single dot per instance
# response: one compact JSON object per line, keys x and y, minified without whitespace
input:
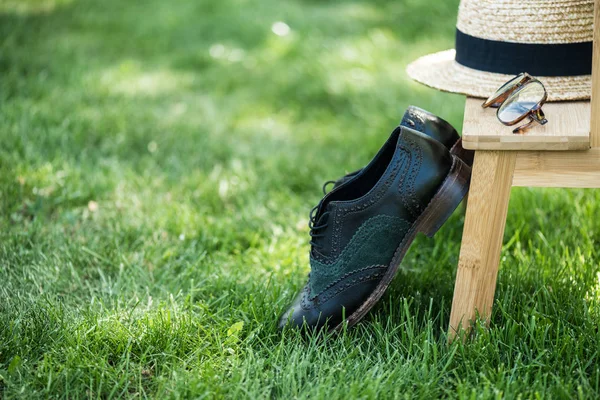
{"x":482,"y":238}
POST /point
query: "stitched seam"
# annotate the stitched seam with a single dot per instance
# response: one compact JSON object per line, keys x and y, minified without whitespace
{"x":371,"y":221}
{"x":305,"y":295}
{"x":325,"y":274}
{"x":356,"y":204}
{"x":307,"y":306}
{"x":347,"y":275}
{"x":344,"y":211}
{"x":407,"y":187}
{"x":353,"y":282}
{"x":323,"y":296}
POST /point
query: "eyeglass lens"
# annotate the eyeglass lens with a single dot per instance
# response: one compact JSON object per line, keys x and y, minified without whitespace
{"x":521,"y":102}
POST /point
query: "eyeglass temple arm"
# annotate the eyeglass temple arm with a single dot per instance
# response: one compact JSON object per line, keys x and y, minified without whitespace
{"x":536,"y":116}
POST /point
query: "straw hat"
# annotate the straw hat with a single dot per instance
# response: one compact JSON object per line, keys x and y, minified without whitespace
{"x":497,"y":39}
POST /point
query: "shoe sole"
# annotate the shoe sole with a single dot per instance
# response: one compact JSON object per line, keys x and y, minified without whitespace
{"x":446,"y":200}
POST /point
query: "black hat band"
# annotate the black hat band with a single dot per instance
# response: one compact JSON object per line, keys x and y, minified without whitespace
{"x":539,"y":59}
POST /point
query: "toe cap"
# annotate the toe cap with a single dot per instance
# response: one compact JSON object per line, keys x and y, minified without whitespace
{"x":330,"y":307}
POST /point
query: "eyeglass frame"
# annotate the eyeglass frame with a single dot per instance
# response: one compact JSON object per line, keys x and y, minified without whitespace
{"x":535,"y":114}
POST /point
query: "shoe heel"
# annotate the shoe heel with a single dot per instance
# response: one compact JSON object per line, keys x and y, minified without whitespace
{"x":465,"y":155}
{"x":447,"y":199}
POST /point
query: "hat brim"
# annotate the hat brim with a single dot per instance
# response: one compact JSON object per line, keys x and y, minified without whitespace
{"x":441,"y":71}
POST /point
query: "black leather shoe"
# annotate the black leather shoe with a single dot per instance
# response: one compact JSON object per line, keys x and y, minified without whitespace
{"x":431,"y":125}
{"x":362,"y":229}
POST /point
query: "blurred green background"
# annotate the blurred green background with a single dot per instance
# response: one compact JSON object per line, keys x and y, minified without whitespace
{"x":158,"y":160}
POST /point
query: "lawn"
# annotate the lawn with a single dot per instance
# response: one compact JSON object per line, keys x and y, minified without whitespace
{"x":158,"y":160}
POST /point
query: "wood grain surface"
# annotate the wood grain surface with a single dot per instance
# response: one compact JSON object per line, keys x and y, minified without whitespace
{"x":482,"y":238}
{"x":568,"y":128}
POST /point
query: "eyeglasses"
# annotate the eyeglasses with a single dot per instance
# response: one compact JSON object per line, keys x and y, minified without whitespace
{"x":519,"y":98}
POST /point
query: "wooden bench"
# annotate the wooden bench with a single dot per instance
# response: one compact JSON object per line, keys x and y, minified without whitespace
{"x":563,"y":153}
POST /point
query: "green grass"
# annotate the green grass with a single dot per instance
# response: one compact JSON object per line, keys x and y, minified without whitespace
{"x":158,"y":160}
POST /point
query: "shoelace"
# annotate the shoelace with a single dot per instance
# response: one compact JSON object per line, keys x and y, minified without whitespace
{"x":314,"y":228}
{"x":326,"y":184}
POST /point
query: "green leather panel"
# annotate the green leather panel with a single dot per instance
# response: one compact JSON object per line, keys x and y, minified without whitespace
{"x":374,"y":243}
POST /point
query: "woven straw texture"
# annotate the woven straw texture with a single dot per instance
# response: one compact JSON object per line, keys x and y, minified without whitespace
{"x":537,"y":21}
{"x":534,"y":21}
